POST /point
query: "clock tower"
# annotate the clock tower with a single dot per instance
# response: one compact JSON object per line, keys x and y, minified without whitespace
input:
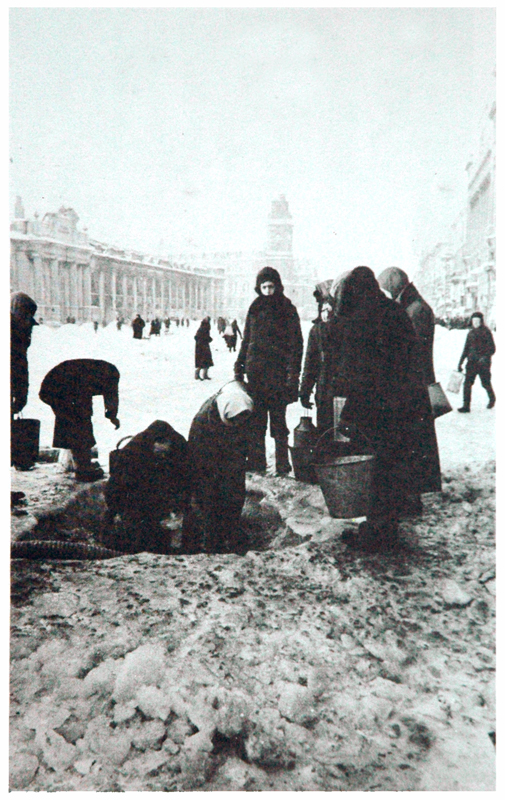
{"x":279,"y":250}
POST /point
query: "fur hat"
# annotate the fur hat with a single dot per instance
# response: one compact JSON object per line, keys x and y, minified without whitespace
{"x":478,"y":314}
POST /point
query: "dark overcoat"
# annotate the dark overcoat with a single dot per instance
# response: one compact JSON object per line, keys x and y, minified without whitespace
{"x":272,"y":348}
{"x":423,"y":321}
{"x":479,"y":347}
{"x":376,"y":369}
{"x":317,"y":372}
{"x":69,"y":389}
{"x":217,"y":462}
{"x":23,"y":309}
{"x":138,"y":326}
{"x":203,"y":356}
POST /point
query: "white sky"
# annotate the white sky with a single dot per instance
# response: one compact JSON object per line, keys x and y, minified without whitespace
{"x":181,"y":124}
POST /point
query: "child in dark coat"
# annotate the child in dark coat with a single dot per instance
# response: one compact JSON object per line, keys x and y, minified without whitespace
{"x":478,"y":349}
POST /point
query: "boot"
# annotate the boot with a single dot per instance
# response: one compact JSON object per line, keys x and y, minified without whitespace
{"x":256,"y":456}
{"x":492,"y":398}
{"x":197,"y":375}
{"x":282,"y":465}
{"x":206,"y":374}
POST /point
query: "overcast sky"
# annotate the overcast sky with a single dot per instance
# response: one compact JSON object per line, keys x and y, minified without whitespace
{"x":183,"y":124}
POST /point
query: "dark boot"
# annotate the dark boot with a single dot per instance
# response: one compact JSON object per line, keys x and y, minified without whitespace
{"x":256,"y":456}
{"x":206,"y":376}
{"x":492,"y":397}
{"x":282,"y":465}
{"x":467,"y":397}
{"x":86,"y":471}
{"x":197,"y":375}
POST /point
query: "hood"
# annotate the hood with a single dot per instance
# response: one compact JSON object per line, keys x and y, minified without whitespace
{"x":23,"y":306}
{"x":394,"y":280}
{"x":233,"y":399}
{"x":357,"y":289}
{"x":269,"y":274}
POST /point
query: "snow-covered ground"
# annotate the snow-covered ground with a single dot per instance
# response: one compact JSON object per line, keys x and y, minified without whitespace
{"x":157,"y":382}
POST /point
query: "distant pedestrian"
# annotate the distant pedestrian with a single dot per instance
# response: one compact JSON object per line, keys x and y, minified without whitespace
{"x":177,"y":321}
{"x":217,"y":451}
{"x":478,"y":351}
{"x":95,"y":325}
{"x":221,"y":325}
{"x":203,"y":355}
{"x":119,"y":323}
{"x":187,"y":322}
{"x":23,"y":310}
{"x":155,"y":327}
{"x":270,"y":356}
{"x":69,"y":389}
{"x":138,"y":326}
{"x":167,"y":324}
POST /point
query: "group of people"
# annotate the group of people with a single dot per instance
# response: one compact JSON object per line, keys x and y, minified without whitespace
{"x":371,"y":345}
{"x":138,"y":325}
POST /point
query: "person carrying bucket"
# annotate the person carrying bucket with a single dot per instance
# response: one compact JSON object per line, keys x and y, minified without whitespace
{"x":375,"y":368}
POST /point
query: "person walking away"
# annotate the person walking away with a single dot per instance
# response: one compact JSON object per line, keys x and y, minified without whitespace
{"x":148,"y":482}
{"x":154,"y":328}
{"x":478,"y":351}
{"x":376,"y":370}
{"x":138,"y":326}
{"x":167,"y":324}
{"x":317,"y":366}
{"x":236,"y":333}
{"x":203,"y":355}
{"x":229,"y":337}
{"x":270,"y":356}
{"x":217,"y":453}
{"x":397,"y":283}
{"x":23,"y":310}
{"x":95,"y":326}
{"x":221,"y":325}
{"x":69,"y":389}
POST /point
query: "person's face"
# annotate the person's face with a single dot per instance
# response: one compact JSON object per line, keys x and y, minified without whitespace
{"x":326,"y":312}
{"x":476,"y":322}
{"x":267,"y":288}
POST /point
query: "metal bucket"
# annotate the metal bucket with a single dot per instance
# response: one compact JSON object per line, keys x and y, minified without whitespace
{"x":115,"y":455}
{"x":346,"y":483}
{"x":439,"y":402}
{"x":25,"y":435}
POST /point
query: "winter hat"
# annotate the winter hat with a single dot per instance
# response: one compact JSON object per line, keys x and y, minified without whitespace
{"x":23,"y":306}
{"x":478,"y":314}
{"x":269,"y":274}
{"x":233,"y":400}
{"x":357,"y":287}
{"x":393,"y":280}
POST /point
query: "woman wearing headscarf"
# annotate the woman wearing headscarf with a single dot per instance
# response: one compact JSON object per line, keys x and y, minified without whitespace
{"x":203,"y":356}
{"x":317,"y":370}
{"x":376,"y":370}
{"x":397,"y":283}
{"x":148,"y":481}
{"x":217,"y":453}
{"x":270,"y":356}
{"x":23,"y":310}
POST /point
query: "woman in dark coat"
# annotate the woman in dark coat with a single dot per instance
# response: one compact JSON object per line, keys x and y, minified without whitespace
{"x":217,"y":452}
{"x":138,"y":326}
{"x":395,"y":281}
{"x":149,"y":481}
{"x":23,"y":310}
{"x":270,"y":356}
{"x":478,"y":350}
{"x":69,"y":389}
{"x":376,"y":370}
{"x":203,"y":356}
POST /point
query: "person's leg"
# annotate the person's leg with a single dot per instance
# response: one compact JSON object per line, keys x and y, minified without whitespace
{"x":280,"y":432}
{"x":485,"y":379}
{"x":256,"y":453}
{"x":197,"y":374}
{"x":470,"y":375}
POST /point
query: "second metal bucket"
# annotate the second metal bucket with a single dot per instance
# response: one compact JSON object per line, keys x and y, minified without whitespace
{"x":346,"y":483}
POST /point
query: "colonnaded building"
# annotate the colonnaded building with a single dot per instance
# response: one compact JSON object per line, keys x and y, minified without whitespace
{"x":70,"y":275}
{"x":458,"y":275}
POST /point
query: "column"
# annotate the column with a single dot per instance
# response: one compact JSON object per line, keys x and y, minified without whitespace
{"x":86,"y":291}
{"x":101,"y":295}
{"x":55,"y":291}
{"x":162,"y":298}
{"x":113,"y":279}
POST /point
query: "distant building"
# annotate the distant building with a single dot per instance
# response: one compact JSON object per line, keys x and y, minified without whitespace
{"x":458,"y":276}
{"x":70,"y":275}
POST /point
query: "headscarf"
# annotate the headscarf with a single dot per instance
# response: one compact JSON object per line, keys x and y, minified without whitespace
{"x":478,"y":314}
{"x":357,"y":288}
{"x":394,"y":280}
{"x":232,"y":400}
{"x":23,"y":307}
{"x":269,"y":274}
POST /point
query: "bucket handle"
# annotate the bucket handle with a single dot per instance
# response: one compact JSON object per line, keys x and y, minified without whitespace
{"x":332,"y":430}
{"x":124,"y":440}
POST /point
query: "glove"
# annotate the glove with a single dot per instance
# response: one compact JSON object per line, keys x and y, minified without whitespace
{"x":115,"y":422}
{"x":305,"y":401}
{"x":239,"y":372}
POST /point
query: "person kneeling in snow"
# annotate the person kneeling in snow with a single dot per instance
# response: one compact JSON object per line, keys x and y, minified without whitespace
{"x":148,"y":482}
{"x":217,"y":451}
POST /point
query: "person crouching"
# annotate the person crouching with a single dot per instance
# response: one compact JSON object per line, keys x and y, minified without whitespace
{"x":217,"y":454}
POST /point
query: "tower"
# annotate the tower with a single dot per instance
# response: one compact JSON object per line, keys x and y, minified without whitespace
{"x":279,"y":250}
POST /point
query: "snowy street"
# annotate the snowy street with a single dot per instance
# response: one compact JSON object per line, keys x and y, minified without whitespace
{"x":157,"y":382}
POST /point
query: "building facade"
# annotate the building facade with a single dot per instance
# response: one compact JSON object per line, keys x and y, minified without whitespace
{"x":70,"y":275}
{"x":458,"y":276}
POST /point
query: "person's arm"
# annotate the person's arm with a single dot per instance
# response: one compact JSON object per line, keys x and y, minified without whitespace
{"x":310,"y":369}
{"x":491,"y":347}
{"x":111,"y":399}
{"x":464,"y":354}
{"x":239,"y":367}
{"x":295,"y":355}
